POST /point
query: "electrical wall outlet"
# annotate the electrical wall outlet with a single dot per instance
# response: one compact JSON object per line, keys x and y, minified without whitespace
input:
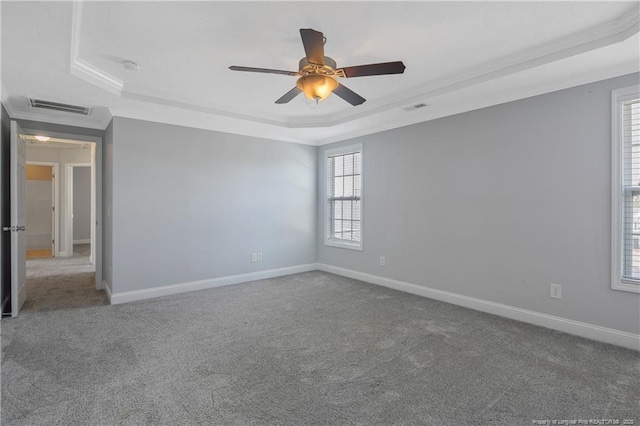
{"x":259,"y":256}
{"x":254,"y":257}
{"x":383,"y":261}
{"x":555,"y":291}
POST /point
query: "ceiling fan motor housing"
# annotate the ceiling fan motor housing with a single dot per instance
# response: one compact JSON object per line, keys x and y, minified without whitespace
{"x":328,"y":68}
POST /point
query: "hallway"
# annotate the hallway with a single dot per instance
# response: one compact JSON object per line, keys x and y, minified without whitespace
{"x":63,"y":282}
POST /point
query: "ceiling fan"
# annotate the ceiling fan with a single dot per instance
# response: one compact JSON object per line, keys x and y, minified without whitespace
{"x":318,"y":73}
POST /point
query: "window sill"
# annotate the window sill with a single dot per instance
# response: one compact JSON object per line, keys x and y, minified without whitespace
{"x":343,"y":244}
{"x":625,"y":286}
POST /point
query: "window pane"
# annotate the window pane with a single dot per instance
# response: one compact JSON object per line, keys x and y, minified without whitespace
{"x":631,"y":173}
{"x":356,"y":186}
{"x":346,"y":209}
{"x":337,"y":226}
{"x":348,"y":186}
{"x":357,"y":156}
{"x":337,"y":209}
{"x":338,"y":187}
{"x":355,"y":215}
{"x":348,"y":164}
{"x":338,"y":168}
{"x":355,"y":226}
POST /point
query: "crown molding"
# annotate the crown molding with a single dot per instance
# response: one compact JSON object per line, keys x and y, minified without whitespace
{"x":602,"y":35}
{"x":204,"y":121}
{"x":497,"y":99}
{"x":140,"y":95}
{"x":81,"y":68}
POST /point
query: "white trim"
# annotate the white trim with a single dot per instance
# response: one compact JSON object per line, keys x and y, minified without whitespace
{"x":333,"y":242}
{"x":107,"y":289}
{"x":149,"y":293}
{"x":589,"y":331}
{"x":81,"y":68}
{"x":56,"y":201}
{"x":617,"y":221}
{"x":68,"y":238}
{"x":85,"y":241}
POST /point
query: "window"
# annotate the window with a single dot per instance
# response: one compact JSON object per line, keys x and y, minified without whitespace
{"x":343,"y":210}
{"x":625,"y":230}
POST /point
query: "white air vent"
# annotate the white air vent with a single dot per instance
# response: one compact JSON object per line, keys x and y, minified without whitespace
{"x":416,"y":106}
{"x":56,"y":106}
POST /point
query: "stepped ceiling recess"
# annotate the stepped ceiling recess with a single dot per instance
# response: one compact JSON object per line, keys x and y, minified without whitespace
{"x":458,"y":57}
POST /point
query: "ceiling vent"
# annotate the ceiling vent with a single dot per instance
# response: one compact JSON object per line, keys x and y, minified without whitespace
{"x":416,"y":106}
{"x":56,"y":106}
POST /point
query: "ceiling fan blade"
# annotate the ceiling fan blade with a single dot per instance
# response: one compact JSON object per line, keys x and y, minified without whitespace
{"x":374,"y":69}
{"x":262,"y":70}
{"x":313,"y":42}
{"x":289,"y":95}
{"x":348,"y":95}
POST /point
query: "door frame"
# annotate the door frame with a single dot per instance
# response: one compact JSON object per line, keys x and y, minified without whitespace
{"x":56,"y":201}
{"x":96,"y":154}
{"x":69,"y":216}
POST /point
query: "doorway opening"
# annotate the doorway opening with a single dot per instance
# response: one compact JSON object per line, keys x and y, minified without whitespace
{"x":41,"y":200}
{"x":68,"y":275}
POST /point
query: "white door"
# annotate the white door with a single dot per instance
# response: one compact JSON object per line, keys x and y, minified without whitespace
{"x":53,"y":211}
{"x":18,"y":220}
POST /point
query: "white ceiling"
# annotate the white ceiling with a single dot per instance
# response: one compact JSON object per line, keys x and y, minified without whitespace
{"x":459,"y":56}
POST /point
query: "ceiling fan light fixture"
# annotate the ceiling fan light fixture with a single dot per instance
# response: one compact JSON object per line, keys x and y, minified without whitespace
{"x":316,"y":86}
{"x":43,"y":138}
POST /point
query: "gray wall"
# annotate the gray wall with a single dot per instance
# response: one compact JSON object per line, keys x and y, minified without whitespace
{"x":81,"y":203}
{"x":192,"y":204}
{"x":107,"y":206}
{"x":5,"y":211}
{"x":496,"y":204}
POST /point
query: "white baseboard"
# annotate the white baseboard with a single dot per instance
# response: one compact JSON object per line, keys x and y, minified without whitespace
{"x":149,"y":293}
{"x":85,"y":241}
{"x":107,"y":289}
{"x":590,"y":331}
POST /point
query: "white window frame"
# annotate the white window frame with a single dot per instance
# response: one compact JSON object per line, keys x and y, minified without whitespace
{"x":619,"y":96}
{"x":334,"y":242}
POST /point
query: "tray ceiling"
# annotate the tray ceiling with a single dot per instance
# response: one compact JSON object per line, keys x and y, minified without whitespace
{"x":459,"y":56}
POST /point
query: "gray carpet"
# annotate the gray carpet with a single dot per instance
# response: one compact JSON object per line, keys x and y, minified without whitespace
{"x":310,"y":348}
